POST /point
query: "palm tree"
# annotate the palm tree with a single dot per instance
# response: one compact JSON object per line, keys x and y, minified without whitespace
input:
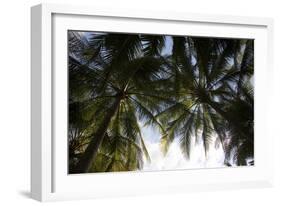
{"x":209,"y":76}
{"x":241,"y":111}
{"x":111,"y":80}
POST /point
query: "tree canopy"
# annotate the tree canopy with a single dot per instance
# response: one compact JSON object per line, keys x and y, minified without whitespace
{"x":203,"y":88}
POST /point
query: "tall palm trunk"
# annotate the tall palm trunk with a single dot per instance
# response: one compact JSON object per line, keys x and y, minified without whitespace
{"x":90,"y":153}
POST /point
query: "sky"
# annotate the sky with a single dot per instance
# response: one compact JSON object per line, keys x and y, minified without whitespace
{"x":174,"y":159}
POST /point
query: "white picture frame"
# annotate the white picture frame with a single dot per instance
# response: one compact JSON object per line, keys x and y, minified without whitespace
{"x":49,"y":178}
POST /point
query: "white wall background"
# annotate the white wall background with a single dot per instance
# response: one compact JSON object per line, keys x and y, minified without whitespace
{"x":15,"y":101}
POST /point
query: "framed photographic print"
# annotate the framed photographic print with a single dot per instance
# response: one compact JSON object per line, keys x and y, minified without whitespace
{"x":137,"y":102}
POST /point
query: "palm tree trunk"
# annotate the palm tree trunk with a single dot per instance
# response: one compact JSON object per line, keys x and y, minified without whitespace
{"x":90,"y":153}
